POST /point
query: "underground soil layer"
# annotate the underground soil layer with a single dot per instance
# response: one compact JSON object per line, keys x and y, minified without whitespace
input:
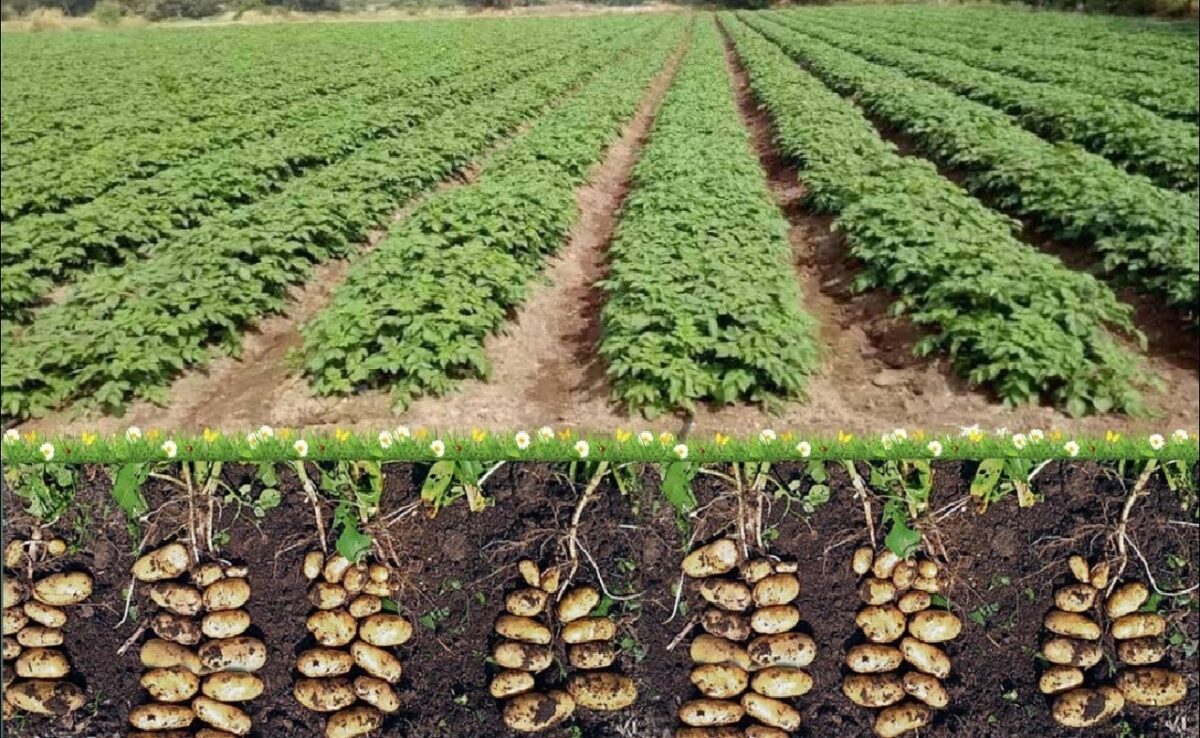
{"x":456,"y":566}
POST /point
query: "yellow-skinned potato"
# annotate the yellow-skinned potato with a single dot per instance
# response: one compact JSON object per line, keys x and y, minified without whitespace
{"x":509,"y":683}
{"x":775,"y":713}
{"x":1151,"y":686}
{"x":731,"y":625}
{"x":355,"y":579}
{"x":722,"y":732}
{"x":225,"y":623}
{"x":377,"y":693}
{"x":897,"y":720}
{"x":378,"y":573}
{"x":764,"y":731}
{"x":1126,"y":599}
{"x":161,"y":717}
{"x":876,"y":591}
{"x":927,"y":689}
{"x":522,"y":656}
{"x":727,"y":594}
{"x":904,"y":575}
{"x":603,"y":691}
{"x":43,"y":614}
{"x":533,"y":712}
{"x":335,"y":568}
{"x":237,"y":571}
{"x":327,"y":596}
{"x":710,"y":649}
{"x":159,"y":654}
{"x":45,"y":696}
{"x":708,"y":712}
{"x":379,"y":589}
{"x":176,"y":628}
{"x":873,"y":658}
{"x":324,"y":662}
{"x":577,"y":603}
{"x":1084,"y":708}
{"x":1080,"y":569}
{"x":787,"y":566}
{"x":782,"y":649}
{"x":934,"y":626}
{"x":1139,"y":625}
{"x":1141,"y":651}
{"x":353,"y":722}
{"x":880,"y":624}
{"x":718,"y":557}
{"x":593,"y":655}
{"x":376,"y":661}
{"x":170,"y":685}
{"x":781,"y":682}
{"x":208,"y":733}
{"x":550,"y":579}
{"x":754,"y":570}
{"x":861,"y":561}
{"x":181,"y":599}
{"x":221,"y":716}
{"x":526,"y":630}
{"x":203,"y":733}
{"x":233,"y":654}
{"x":873,"y":690}
{"x":528,"y":602}
{"x":720,"y":681}
{"x":168,"y":562}
{"x":332,"y":627}
{"x":1098,"y":576}
{"x":42,"y":663}
{"x":885,"y":564}
{"x":314,"y":563}
{"x":14,"y":552}
{"x":12,"y":649}
{"x":14,"y":592}
{"x":775,"y":619}
{"x":930,"y":585}
{"x":927,"y":569}
{"x":925,"y":657}
{"x":585,"y":630}
{"x":232,"y":686}
{"x":227,"y":594}
{"x":530,"y":573}
{"x":1060,"y":678}
{"x":777,"y":589}
{"x":206,"y":574}
{"x":1077,"y":597}
{"x":1071,"y":625}
{"x":364,"y":605}
{"x":324,"y":695}
{"x":14,"y":619}
{"x":64,"y":588}
{"x":914,"y":600}
{"x":1070,"y":652}
{"x":36,"y":636}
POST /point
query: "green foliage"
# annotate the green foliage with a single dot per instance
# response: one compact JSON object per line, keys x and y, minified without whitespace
{"x":48,"y":489}
{"x":703,"y":303}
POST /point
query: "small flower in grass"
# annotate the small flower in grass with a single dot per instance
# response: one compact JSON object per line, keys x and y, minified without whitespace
{"x":900,"y":434}
{"x":623,"y":435}
{"x":645,"y":438}
{"x":1179,"y":436}
{"x":478,"y":435}
{"x":133,"y":434}
{"x":1157,"y":442}
{"x":285,"y":433}
{"x":844,"y":437}
{"x":1037,"y":435}
{"x":1071,"y":448}
{"x":341,"y":434}
{"x":664,"y":438}
{"x":47,"y":451}
{"x":300,"y":447}
{"x":1112,"y":436}
{"x":721,"y":439}
{"x":169,"y":448}
{"x":252,"y":440}
{"x":1056,"y":435}
{"x":402,"y":433}
{"x":88,"y":438}
{"x":681,"y":450}
{"x":1001,"y":432}
{"x":385,"y":439}
{"x":564,"y":434}
{"x":966,"y":431}
{"x":804,"y":448}
{"x":766,"y":435}
{"x":1020,"y":441}
{"x":522,"y":440}
{"x":266,"y":431}
{"x":12,"y":435}
{"x":918,"y":435}
{"x":582,"y":448}
{"x":438,"y":448}
{"x":935,"y":448}
{"x":210,"y":435}
{"x":420,"y":434}
{"x":886,"y":440}
{"x":545,"y":433}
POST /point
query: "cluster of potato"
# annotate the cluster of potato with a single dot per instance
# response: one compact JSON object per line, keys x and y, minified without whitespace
{"x":199,"y":664}
{"x":750,"y":660}
{"x":352,"y":670}
{"x":900,"y":667}
{"x":35,"y":670}
{"x":1074,"y":646}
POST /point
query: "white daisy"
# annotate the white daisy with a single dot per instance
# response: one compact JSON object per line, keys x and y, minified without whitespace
{"x":766,"y":435}
{"x":582,"y":448}
{"x":266,"y":431}
{"x":12,"y":436}
{"x":935,"y":448}
{"x":47,"y":450}
{"x":645,"y":438}
{"x":1157,"y":442}
{"x":1036,"y":435}
{"x":804,"y":448}
{"x":301,"y":447}
{"x":438,"y":448}
{"x":1020,"y":441}
{"x":402,"y":433}
{"x":385,"y":439}
{"x":1178,"y":436}
{"x":545,"y":433}
{"x":681,"y":450}
{"x":522,"y":439}
{"x":169,"y":448}
{"x":1071,"y":448}
{"x":133,"y":434}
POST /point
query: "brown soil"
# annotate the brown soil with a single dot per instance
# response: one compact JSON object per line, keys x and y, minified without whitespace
{"x":457,"y":566}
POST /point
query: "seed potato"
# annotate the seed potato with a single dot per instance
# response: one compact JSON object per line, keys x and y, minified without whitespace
{"x":377,"y":693}
{"x":781,"y":682}
{"x":1084,"y":708}
{"x":325,"y":694}
{"x":777,"y":589}
{"x":233,"y":654}
{"x":934,"y":626}
{"x":925,"y":657}
{"x":353,"y":722}
{"x":897,"y":720}
{"x":522,"y":656}
{"x":709,"y":712}
{"x":63,"y":588}
{"x":876,"y":591}
{"x":161,"y":717}
{"x":1072,"y":625}
{"x":725,"y":624}
{"x":45,"y":696}
{"x":232,"y":686}
{"x":873,"y":690}
{"x":1070,"y":652}
{"x":927,"y":689}
{"x":43,"y":614}
{"x":602,"y":691}
{"x":533,"y":712}
{"x":1060,"y":678}
{"x":1141,"y":651}
{"x":880,"y":624}
{"x":181,"y":599}
{"x":324,"y":662}
{"x":227,"y":594}
{"x":1139,"y":625}
{"x":585,"y":630}
{"x":714,"y":559}
{"x":720,"y":681}
{"x":727,"y":594}
{"x":528,"y":602}
{"x":771,"y":712}
{"x":782,"y":649}
{"x":225,"y":623}
{"x":775,"y":619}
{"x":873,"y":658}
{"x":577,"y":604}
{"x":176,"y":684}
{"x":168,"y":562}
{"x":159,"y":654}
{"x":861,"y":561}
{"x":1152,"y":686}
{"x":510,"y":682}
{"x":376,"y":661}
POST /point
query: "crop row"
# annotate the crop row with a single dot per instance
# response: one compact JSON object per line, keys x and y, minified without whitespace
{"x":1166,"y":150}
{"x":703,"y":303}
{"x":42,"y":249}
{"x":1011,"y":318}
{"x":1146,"y":236}
{"x":122,"y":333}
{"x":466,"y":257}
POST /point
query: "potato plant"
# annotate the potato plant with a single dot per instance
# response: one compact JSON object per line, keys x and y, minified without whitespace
{"x":36,"y":671}
{"x":352,"y":669}
{"x":900,"y":666}
{"x":199,"y":665}
{"x":749,"y":662}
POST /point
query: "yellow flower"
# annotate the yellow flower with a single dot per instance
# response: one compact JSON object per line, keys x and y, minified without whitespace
{"x":421,"y":434}
{"x":664,"y":438}
{"x":1056,"y":435}
{"x":31,"y":436}
{"x":88,"y":438}
{"x":478,"y":434}
{"x":722,"y":439}
{"x":918,"y":435}
{"x":787,"y":436}
{"x":1112,"y":436}
{"x":844,"y":437}
{"x":285,"y":433}
{"x":153,"y":434}
{"x":975,"y":436}
{"x":564,"y":434}
{"x":341,"y":434}
{"x":210,"y":435}
{"x":623,"y":435}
